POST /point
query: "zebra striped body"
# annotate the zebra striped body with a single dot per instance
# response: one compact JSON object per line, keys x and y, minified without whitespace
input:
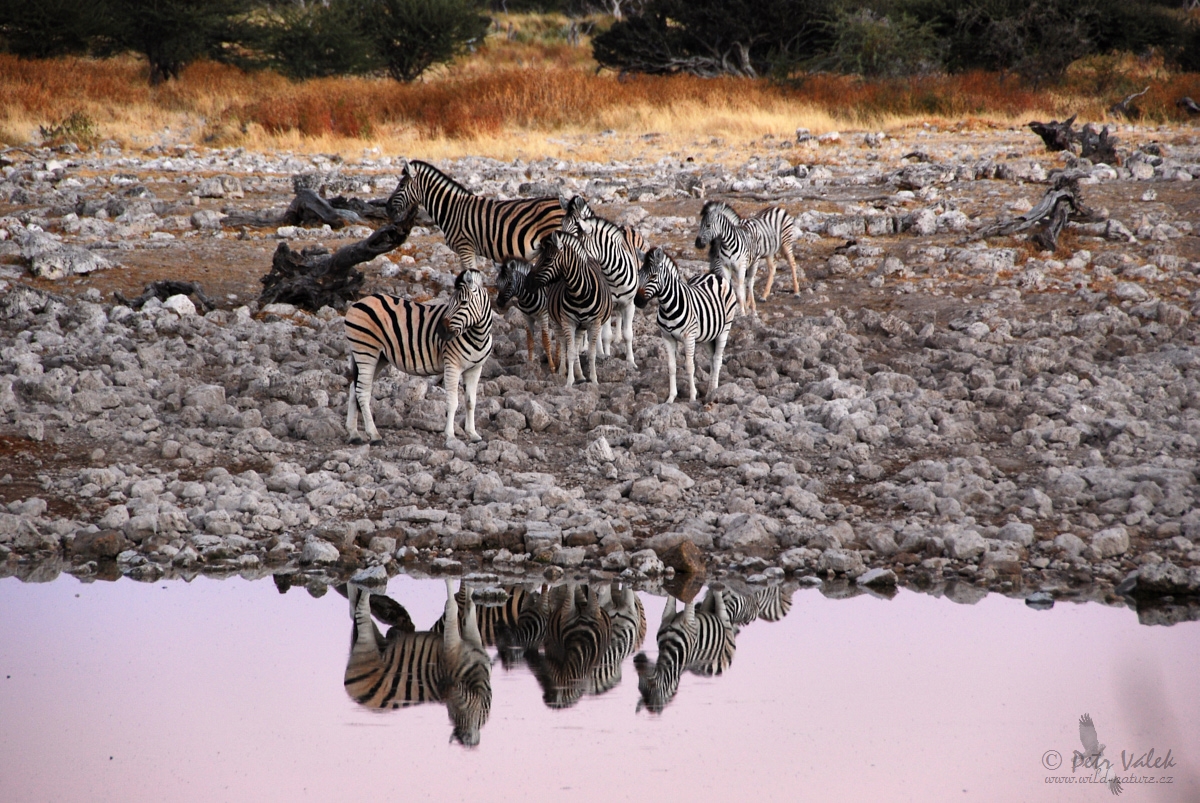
{"x":585,"y":303}
{"x":618,"y":250}
{"x":738,"y":244}
{"x":453,"y":339}
{"x":702,"y":642}
{"x":411,"y":668}
{"x":473,"y":225}
{"x":534,"y":304}
{"x":577,"y":636}
{"x":628,"y":631}
{"x":697,"y":311}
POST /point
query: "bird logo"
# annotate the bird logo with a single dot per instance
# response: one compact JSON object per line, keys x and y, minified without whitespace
{"x":1093,"y":752}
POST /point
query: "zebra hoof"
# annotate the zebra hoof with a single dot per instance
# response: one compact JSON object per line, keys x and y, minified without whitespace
{"x":377,"y":442}
{"x":356,"y":439}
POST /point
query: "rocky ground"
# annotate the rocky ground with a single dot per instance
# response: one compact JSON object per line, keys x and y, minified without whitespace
{"x":935,"y":409}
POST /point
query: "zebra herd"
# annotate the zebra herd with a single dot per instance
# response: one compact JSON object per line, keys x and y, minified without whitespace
{"x":574,"y":639}
{"x":566,"y":269}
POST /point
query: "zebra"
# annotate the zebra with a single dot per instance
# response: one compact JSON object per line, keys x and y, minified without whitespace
{"x":474,"y":225}
{"x":410,"y":668}
{"x":585,"y":303}
{"x":772,"y":603}
{"x":700,"y":310}
{"x":514,"y":284}
{"x":739,"y":243}
{"x":628,"y":632}
{"x":453,"y":338}
{"x":702,"y":642}
{"x":618,"y":250}
{"x":577,"y":636}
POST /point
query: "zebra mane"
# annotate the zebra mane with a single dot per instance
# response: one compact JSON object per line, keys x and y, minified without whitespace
{"x":721,"y":208}
{"x":426,"y":167}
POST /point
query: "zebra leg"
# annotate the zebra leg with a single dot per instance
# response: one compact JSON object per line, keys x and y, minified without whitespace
{"x":689,"y":365}
{"x":670,"y":344}
{"x":594,"y":333}
{"x":450,"y":379}
{"x":627,"y":333}
{"x":550,"y":357}
{"x":366,"y":635}
{"x":352,"y":404}
{"x":451,"y":635}
{"x":714,"y":374}
{"x":582,"y":339}
{"x":668,"y":617}
{"x":739,"y":286}
{"x":362,"y":394}
{"x":791,"y":258}
{"x":572,"y":348}
{"x":470,"y":629}
{"x":770,"y":278}
{"x":753,"y":269}
{"x":471,"y":385}
{"x":606,"y":339}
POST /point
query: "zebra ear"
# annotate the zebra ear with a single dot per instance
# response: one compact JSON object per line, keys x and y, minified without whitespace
{"x":405,"y":168}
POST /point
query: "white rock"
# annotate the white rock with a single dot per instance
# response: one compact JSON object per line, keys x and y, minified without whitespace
{"x":180,"y":305}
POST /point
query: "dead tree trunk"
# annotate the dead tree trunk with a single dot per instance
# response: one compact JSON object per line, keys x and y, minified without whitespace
{"x":1061,"y":203}
{"x":1057,"y":136}
{"x":314,"y":278}
{"x":1123,"y":108}
{"x":164,"y":289}
{"x":1098,"y":146}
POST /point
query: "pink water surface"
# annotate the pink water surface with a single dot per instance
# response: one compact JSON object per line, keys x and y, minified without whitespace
{"x":227,"y":690}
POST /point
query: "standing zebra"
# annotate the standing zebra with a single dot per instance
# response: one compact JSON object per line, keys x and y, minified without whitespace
{"x":473,"y":225}
{"x":452,"y":338}
{"x":699,"y":641}
{"x":577,"y":636}
{"x":409,"y":668}
{"x":618,"y":250}
{"x":697,"y":311}
{"x":739,"y":243}
{"x":585,"y":303}
{"x":514,"y":284}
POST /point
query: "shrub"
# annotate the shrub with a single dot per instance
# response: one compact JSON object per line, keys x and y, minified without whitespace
{"x":413,"y":35}
{"x":866,"y":44}
{"x":76,"y":127}
{"x":48,"y":28}
{"x":321,"y":39}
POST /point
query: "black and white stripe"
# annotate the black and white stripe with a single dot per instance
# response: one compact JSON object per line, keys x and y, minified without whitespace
{"x":738,"y":243}
{"x":577,"y":636}
{"x":410,"y":668}
{"x":628,"y":631}
{"x":618,"y":250}
{"x":702,"y":642}
{"x":585,"y":303}
{"x":452,"y":338}
{"x":513,"y":285}
{"x":700,"y":310}
{"x":474,"y":225}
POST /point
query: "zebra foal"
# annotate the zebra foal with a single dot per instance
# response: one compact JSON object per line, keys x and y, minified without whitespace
{"x":584,"y":303}
{"x":423,"y":339}
{"x":474,"y":225}
{"x":700,"y":310}
{"x":513,"y":284}
{"x":738,"y":244}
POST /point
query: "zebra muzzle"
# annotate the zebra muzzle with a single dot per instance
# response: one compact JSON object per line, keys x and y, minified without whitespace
{"x":443,"y":330}
{"x":700,"y":243}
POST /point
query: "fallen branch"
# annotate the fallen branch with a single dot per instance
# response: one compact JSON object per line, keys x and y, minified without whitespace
{"x":1123,"y":108}
{"x":314,"y":278}
{"x":164,"y":289}
{"x":1061,"y":203}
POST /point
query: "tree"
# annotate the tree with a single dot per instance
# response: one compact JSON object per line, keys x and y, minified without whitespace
{"x":711,"y":37}
{"x":49,"y":28}
{"x":172,"y":33}
{"x":320,"y":39}
{"x":413,"y":35}
{"x":866,"y":43}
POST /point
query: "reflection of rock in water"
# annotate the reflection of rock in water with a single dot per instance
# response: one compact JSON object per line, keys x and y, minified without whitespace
{"x":409,"y":668}
{"x":701,"y":641}
{"x":577,"y":635}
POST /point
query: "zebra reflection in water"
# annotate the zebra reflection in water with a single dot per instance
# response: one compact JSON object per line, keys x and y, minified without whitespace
{"x":406,"y":668}
{"x":702,"y":639}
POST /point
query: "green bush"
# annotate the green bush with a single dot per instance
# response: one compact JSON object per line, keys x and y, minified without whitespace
{"x":865,"y":43}
{"x":319,"y":39}
{"x":413,"y":35}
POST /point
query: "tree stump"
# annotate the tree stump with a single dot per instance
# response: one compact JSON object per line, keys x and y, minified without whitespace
{"x":1057,"y":136}
{"x":1098,"y":146}
{"x":314,"y":278}
{"x":1062,"y":202}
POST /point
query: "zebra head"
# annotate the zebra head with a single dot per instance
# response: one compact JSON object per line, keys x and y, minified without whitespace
{"x":514,"y":275}
{"x":469,"y":306}
{"x":715,"y":218}
{"x":405,"y":196}
{"x":577,"y":209}
{"x":649,"y":276}
{"x":558,"y":250}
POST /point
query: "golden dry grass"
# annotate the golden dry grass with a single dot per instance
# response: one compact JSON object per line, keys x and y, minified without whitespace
{"x":525,"y":84}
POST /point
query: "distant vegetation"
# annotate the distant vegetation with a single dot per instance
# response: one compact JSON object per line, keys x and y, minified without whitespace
{"x":1036,"y":40}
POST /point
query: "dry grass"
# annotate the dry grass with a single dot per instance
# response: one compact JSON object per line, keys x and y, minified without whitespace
{"x":532,"y":82}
